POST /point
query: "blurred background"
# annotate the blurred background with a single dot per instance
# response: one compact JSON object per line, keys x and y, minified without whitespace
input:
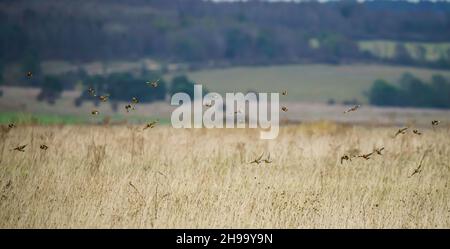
{"x":392,"y":57}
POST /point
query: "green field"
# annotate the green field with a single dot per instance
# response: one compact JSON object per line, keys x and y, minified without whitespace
{"x":56,"y":119}
{"x":386,"y":49}
{"x":306,"y":83}
{"x":42,"y":119}
{"x":313,"y":83}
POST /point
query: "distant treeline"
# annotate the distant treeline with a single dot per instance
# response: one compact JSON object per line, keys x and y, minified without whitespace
{"x":117,"y":87}
{"x":195,"y":31}
{"x":411,"y":92}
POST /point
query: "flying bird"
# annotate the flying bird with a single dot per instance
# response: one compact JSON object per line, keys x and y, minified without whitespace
{"x":11,"y":125}
{"x":20,"y":148}
{"x":416,"y":171}
{"x":417,"y":132}
{"x":346,"y":158}
{"x":268,"y":160}
{"x":419,"y":168}
{"x":352,"y":109}
{"x":366,"y":156}
{"x":151,"y":124}
{"x":435,"y":122}
{"x":284,"y":93}
{"x":284,"y":109}
{"x":128,"y":107}
{"x":29,"y":74}
{"x":104,"y":98}
{"x":153,"y":83}
{"x":134,"y":101}
{"x":401,"y":131}
{"x":95,"y":112}
{"x":43,"y":147}
{"x":91,"y":92}
{"x":378,"y":151}
{"x":258,"y":160}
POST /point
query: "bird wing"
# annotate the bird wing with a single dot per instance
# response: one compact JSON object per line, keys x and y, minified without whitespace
{"x":259,"y":158}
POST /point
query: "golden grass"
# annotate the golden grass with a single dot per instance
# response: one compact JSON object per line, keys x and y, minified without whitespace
{"x":119,"y":176}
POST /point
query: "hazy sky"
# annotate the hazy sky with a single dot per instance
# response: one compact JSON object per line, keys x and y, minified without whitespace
{"x":324,"y":0}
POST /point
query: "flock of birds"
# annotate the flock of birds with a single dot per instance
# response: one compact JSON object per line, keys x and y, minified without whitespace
{"x":367,"y":156}
{"x":128,"y":107}
{"x":103,"y":98}
{"x":134,"y":101}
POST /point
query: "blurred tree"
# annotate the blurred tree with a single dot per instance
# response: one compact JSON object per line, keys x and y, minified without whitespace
{"x":421,"y":53}
{"x":415,"y":92}
{"x":51,"y":89}
{"x":182,"y":84}
{"x":13,"y":39}
{"x":248,"y":32}
{"x":265,"y":44}
{"x":444,"y":60}
{"x":402,"y":55}
{"x":1,"y":71}
{"x":1,"y":77}
{"x":383,"y":94}
{"x":237,"y":43}
{"x":441,"y":91}
{"x":412,"y":92}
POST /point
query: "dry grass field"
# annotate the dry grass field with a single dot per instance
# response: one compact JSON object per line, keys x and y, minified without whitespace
{"x":123,"y":177}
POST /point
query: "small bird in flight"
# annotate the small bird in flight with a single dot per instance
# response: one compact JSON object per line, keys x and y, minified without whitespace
{"x":43,"y":147}
{"x":258,"y":160}
{"x":352,"y":109}
{"x":134,"y":101}
{"x":11,"y":125}
{"x":378,"y":151}
{"x":209,"y":104}
{"x":151,"y":124}
{"x":284,"y":93}
{"x":91,"y":92}
{"x":153,"y":83}
{"x":20,"y":148}
{"x":128,"y":107}
{"x":366,"y":156}
{"x":419,"y":168}
{"x":416,"y":171}
{"x":268,"y":160}
{"x":346,"y":158}
{"x":104,"y":98}
{"x":29,"y":75}
{"x":435,"y":122}
{"x":95,"y":112}
{"x":401,"y":131}
{"x":417,"y":132}
{"x":284,"y":109}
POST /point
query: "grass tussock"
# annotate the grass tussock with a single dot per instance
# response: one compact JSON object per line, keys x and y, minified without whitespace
{"x":122,"y":176}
